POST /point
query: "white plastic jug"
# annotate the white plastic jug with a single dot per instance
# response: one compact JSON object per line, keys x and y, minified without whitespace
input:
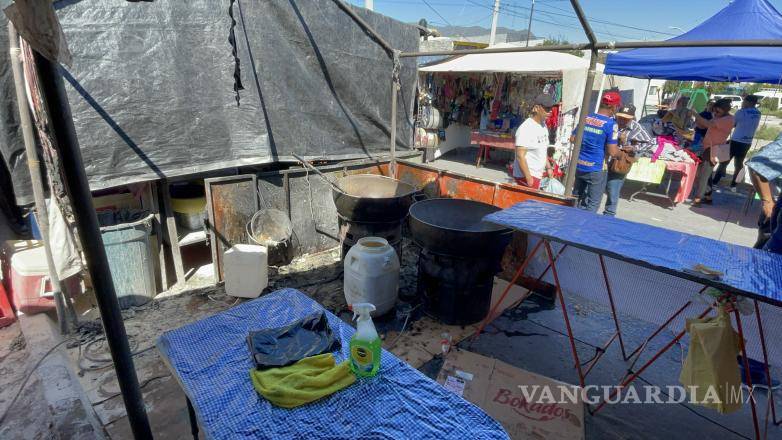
{"x":372,"y":274}
{"x":246,"y":270}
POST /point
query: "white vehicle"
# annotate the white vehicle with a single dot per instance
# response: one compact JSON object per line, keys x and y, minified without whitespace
{"x":771,"y":95}
{"x":654,"y":96}
{"x":735,"y":100}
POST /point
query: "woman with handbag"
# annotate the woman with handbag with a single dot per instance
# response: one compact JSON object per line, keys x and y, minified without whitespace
{"x":632,"y":137}
{"x":717,"y":133}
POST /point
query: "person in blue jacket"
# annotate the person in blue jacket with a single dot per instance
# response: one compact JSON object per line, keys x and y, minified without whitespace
{"x":601,"y":136}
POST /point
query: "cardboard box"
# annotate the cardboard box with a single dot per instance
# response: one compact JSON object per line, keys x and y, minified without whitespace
{"x":494,"y":386}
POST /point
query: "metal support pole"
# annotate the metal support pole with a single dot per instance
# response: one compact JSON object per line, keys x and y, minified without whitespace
{"x":392,"y":163}
{"x":599,"y":91}
{"x":646,"y":95}
{"x":600,"y":46}
{"x":35,"y":176}
{"x":494,"y":19}
{"x":570,"y":178}
{"x":529,"y":24}
{"x":75,"y":180}
{"x":582,"y":18}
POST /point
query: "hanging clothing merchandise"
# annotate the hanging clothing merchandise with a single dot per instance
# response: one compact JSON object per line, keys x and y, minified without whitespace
{"x":553,"y":119}
{"x":711,"y":365}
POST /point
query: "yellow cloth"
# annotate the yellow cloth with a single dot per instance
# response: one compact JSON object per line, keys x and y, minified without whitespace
{"x":303,"y":382}
{"x":711,"y":362}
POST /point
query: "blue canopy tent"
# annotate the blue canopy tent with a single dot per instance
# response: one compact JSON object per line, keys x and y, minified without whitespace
{"x":740,"y":20}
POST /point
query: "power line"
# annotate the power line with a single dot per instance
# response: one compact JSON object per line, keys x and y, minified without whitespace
{"x":435,"y":11}
{"x":591,"y":19}
{"x":538,"y":20}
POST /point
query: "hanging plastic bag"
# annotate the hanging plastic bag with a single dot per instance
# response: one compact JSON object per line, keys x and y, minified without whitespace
{"x":552,"y":186}
{"x":710,"y":371}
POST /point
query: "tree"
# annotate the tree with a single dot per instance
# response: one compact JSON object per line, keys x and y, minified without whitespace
{"x":671,"y":87}
{"x":752,"y":89}
{"x":551,"y":41}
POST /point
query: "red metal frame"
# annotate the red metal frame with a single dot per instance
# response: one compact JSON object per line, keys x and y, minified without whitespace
{"x":613,"y":312}
{"x":765,"y":363}
{"x":564,"y":312}
{"x":490,"y":317}
{"x":747,"y":373}
{"x":634,"y":374}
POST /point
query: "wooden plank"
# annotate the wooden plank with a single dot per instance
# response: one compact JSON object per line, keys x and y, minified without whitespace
{"x":149,"y":201}
{"x":173,"y":235}
{"x":230,"y":203}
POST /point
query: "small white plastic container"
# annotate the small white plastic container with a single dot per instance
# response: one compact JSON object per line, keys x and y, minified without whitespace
{"x":246,"y":270}
{"x":372,"y":274}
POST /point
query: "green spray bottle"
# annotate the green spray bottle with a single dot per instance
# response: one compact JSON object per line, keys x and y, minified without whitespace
{"x":365,"y":343}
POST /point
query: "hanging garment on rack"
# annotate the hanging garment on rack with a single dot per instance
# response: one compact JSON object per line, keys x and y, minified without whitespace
{"x":553,"y":118}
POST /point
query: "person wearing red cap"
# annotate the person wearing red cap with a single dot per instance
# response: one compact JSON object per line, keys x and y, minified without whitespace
{"x":601,"y":136}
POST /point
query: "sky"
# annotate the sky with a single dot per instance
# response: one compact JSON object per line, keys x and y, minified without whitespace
{"x":643,"y":20}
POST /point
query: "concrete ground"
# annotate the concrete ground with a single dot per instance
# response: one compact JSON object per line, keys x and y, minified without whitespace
{"x":726,"y":220}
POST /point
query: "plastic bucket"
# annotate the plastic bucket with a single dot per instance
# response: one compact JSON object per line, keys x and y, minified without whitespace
{"x":130,"y":260}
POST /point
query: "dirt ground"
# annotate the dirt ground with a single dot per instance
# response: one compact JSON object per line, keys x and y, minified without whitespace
{"x":30,"y":416}
{"x":407,"y":331}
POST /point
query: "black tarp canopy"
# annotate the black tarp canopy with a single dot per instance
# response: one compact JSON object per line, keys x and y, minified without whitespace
{"x":170,"y":88}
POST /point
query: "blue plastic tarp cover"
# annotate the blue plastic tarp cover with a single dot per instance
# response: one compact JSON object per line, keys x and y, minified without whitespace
{"x":739,"y":20}
{"x":750,"y":272}
{"x":211,"y":361}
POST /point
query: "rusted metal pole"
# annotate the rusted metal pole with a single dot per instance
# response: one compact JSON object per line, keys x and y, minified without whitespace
{"x":36,"y":179}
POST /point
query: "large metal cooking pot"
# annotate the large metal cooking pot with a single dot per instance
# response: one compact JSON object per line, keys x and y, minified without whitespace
{"x":456,"y":227}
{"x":373,"y":198}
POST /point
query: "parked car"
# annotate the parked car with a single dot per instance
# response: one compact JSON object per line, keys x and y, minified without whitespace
{"x":735,"y":100}
{"x":770,"y":99}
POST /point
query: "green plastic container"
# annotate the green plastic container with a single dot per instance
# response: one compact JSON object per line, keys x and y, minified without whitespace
{"x":129,"y":253}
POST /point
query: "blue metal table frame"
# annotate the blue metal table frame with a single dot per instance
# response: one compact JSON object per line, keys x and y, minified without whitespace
{"x":746,"y":272}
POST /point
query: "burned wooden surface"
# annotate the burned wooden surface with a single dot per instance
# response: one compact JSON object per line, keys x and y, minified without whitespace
{"x":230,"y":203}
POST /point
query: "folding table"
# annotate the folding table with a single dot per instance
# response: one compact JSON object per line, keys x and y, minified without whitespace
{"x":487,"y":141}
{"x":746,"y":272}
{"x":211,"y":361}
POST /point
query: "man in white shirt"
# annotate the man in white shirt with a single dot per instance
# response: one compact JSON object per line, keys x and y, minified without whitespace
{"x":746,"y":123}
{"x":532,"y":144}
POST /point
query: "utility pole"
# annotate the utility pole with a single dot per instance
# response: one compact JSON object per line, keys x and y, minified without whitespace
{"x":369,"y":4}
{"x":495,"y":17}
{"x":529,"y":25}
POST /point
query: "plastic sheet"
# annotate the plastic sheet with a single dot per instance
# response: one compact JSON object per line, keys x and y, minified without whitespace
{"x":166,"y":88}
{"x":210,"y":359}
{"x":746,"y":271}
{"x":278,"y":347}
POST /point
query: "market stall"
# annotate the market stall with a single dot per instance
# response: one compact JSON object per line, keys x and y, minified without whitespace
{"x":745,"y":20}
{"x":481,"y":99}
